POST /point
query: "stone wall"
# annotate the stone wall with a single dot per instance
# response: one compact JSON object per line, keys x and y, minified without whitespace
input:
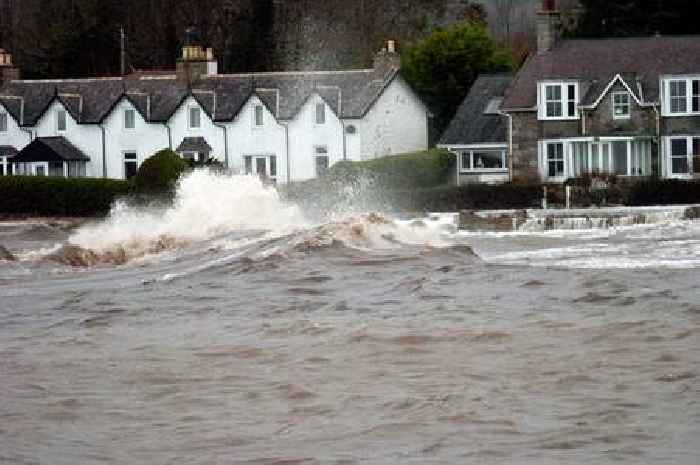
{"x":601,"y":122}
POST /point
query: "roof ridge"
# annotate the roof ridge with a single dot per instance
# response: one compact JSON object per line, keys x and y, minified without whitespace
{"x":290,"y":73}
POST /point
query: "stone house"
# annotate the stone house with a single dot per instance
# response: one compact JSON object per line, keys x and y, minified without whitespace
{"x":626,"y":106}
{"x":285,"y":126}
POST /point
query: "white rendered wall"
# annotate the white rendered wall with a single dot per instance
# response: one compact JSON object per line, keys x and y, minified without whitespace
{"x":305,"y":135}
{"x":14,"y":136}
{"x":145,"y":139}
{"x":353,"y":142}
{"x":179,"y":127}
{"x":245,"y":139}
{"x":396,"y":123}
{"x":86,"y":137}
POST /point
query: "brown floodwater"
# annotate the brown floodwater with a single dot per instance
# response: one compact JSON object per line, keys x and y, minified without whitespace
{"x":349,"y":343}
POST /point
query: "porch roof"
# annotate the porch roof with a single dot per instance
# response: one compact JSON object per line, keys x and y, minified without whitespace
{"x":50,"y":149}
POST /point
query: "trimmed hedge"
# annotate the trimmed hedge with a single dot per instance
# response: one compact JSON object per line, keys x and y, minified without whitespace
{"x":662,"y":192}
{"x":37,"y":195}
{"x":419,"y":170}
{"x":159,"y":173}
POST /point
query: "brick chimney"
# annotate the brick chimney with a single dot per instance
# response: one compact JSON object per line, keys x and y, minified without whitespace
{"x":8,"y":71}
{"x":387,"y":59}
{"x":196,"y":61}
{"x":548,"y":26}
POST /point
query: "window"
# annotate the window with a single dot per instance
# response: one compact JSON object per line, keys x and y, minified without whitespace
{"x":484,"y":160}
{"x":678,"y":93}
{"x":190,"y":156}
{"x":620,"y":154}
{"x":555,"y":159}
{"x":679,"y":156}
{"x":696,"y":155}
{"x":320,"y":113}
{"x":258,"y":119}
{"x":40,"y":170}
{"x":322,"y":162}
{"x":129,"y":119}
{"x":264,"y":166}
{"x":493,"y":106}
{"x":131,"y":164}
{"x":248,"y":165}
{"x":683,"y":96}
{"x":61,"y":120}
{"x":3,"y":122}
{"x":195,"y":118}
{"x":621,"y":105}
{"x":559,"y":101}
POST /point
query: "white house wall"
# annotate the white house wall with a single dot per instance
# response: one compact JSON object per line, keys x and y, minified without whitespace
{"x":179,"y":127}
{"x":145,"y":139}
{"x":305,"y":136}
{"x":86,"y":137}
{"x":247,"y":140}
{"x":14,"y":136}
{"x":397,"y":123}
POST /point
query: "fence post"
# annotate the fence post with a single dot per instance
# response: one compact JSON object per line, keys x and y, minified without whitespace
{"x":544,"y":198}
{"x":568,"y":197}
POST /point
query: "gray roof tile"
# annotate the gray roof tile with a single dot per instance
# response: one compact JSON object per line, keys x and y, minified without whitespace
{"x":470,"y":124}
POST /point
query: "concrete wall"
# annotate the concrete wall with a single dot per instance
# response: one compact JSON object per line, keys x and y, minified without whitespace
{"x":145,"y":139}
{"x":397,"y":123}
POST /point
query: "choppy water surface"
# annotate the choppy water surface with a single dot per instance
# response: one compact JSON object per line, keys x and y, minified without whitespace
{"x":236,"y":331}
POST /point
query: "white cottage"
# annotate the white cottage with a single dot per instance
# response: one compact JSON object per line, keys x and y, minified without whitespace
{"x":285,"y":126}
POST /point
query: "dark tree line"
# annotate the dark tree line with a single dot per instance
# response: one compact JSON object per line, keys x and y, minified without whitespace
{"x":622,"y":18}
{"x":71,"y":38}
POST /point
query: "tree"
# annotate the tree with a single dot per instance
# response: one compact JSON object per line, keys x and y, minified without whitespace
{"x":623,"y":18}
{"x":443,"y":67}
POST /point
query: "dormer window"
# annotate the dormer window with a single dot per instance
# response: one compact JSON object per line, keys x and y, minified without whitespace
{"x":61,"y":120}
{"x":195,"y":118}
{"x":320,"y":113}
{"x":621,"y":105}
{"x":3,"y":122}
{"x":558,"y":100}
{"x":682,"y":96}
{"x":493,"y":106}
{"x":258,"y":120}
{"x":129,"y":119}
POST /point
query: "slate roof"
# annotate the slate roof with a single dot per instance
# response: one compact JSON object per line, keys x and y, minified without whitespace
{"x":595,"y":62}
{"x":470,"y":124}
{"x":194,"y":144}
{"x":7,"y":151}
{"x":350,"y":94}
{"x":50,"y":149}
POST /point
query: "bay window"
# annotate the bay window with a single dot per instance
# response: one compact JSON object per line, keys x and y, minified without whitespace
{"x":483,"y":160}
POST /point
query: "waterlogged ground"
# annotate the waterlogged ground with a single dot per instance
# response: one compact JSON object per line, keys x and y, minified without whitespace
{"x":244,"y":337}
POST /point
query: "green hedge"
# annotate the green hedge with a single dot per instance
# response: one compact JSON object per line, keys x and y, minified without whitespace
{"x":36,"y":195}
{"x":418,"y":170}
{"x":159,"y":173}
{"x":662,"y":192}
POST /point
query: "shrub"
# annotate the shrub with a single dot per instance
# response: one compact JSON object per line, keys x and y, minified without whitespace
{"x":159,"y":173}
{"x":411,"y":170}
{"x":36,"y":195}
{"x":654,"y":191}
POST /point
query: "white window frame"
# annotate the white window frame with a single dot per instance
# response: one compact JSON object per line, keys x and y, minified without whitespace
{"x":322,"y":107}
{"x":124,"y":160}
{"x":564,"y":102}
{"x":545,"y":158}
{"x":258,"y":107}
{"x":689,"y":95}
{"x":189,"y":117}
{"x":627,"y":105}
{"x":321,"y":151}
{"x":689,"y":155}
{"x":3,"y":121}
{"x":472,"y":150}
{"x":59,"y":114}
{"x":133,"y":113}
